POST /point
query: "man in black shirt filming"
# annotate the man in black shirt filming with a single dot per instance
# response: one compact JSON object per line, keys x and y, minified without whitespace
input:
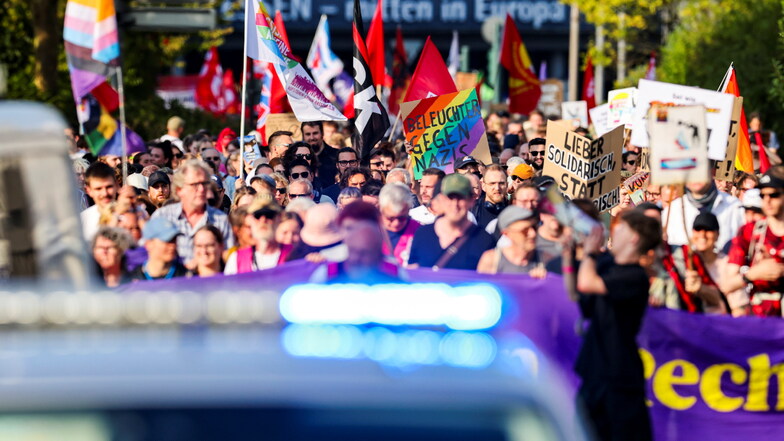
{"x":614,"y":298}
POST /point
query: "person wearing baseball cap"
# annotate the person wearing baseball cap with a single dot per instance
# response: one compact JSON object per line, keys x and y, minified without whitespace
{"x":752,"y":205}
{"x":519,"y":226}
{"x":452,"y":241}
{"x":159,"y":236}
{"x":520,"y":174}
{"x":756,"y":256}
{"x":467,"y":164}
{"x":159,"y":188}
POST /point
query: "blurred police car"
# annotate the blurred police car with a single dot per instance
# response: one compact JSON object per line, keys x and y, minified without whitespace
{"x":305,"y":365}
{"x":393,"y":362}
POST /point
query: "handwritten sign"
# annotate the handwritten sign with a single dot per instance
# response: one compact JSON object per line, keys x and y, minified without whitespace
{"x":635,"y":187}
{"x":725,"y":170}
{"x":552,"y":96}
{"x":575,"y":111}
{"x":599,"y":118}
{"x":286,"y":122}
{"x":645,"y":159}
{"x":583,"y":168}
{"x":719,"y":111}
{"x":621,"y":103}
{"x":679,"y":140}
{"x":444,"y":128}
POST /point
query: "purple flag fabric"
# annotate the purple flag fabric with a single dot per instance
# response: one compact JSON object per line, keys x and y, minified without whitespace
{"x":708,"y":377}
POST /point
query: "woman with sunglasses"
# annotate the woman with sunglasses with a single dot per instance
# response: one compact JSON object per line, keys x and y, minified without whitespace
{"x":281,"y":184}
{"x":265,"y":252}
{"x":299,"y":169}
{"x":302,"y":151}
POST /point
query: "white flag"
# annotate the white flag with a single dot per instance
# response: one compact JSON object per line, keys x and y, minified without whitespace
{"x":265,"y":43}
{"x":322,"y":62}
{"x":454,"y":55}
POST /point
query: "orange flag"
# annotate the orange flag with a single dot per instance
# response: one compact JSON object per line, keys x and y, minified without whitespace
{"x":524,"y":87}
{"x":743,"y":156}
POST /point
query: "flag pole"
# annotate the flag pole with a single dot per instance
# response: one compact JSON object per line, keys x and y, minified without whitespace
{"x":244,"y":85}
{"x":394,"y":126}
{"x":123,"y":141}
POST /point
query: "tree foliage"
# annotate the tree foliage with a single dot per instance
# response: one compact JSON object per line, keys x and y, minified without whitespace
{"x":632,"y":20}
{"x":145,"y":56}
{"x":711,"y":34}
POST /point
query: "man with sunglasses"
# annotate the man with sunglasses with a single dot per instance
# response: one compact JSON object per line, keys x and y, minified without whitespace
{"x":536,"y":151}
{"x":382,"y":159}
{"x":629,"y":160}
{"x":300,"y":170}
{"x":313,"y":134}
{"x":756,"y":257}
{"x":278,"y":143}
{"x":193,"y":186}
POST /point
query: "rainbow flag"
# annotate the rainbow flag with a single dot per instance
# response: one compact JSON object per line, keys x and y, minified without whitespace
{"x":443,"y":129}
{"x":266,"y":43}
{"x":101,"y":130}
{"x":91,"y":44}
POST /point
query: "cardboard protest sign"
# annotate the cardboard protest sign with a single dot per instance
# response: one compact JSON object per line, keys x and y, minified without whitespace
{"x":583,"y":168}
{"x":719,"y":111}
{"x":552,"y":96}
{"x":444,"y":128}
{"x":635,"y":187}
{"x":725,"y":170}
{"x":645,"y":159}
{"x":599,"y":118}
{"x":679,"y":140}
{"x":284,"y":121}
{"x":622,"y":103}
{"x":576,"y":111}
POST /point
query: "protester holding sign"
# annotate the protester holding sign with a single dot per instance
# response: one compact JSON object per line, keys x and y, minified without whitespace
{"x":615,"y":298}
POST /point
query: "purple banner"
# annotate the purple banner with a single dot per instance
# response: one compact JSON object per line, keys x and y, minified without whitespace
{"x":708,"y":377}
{"x":714,"y":377}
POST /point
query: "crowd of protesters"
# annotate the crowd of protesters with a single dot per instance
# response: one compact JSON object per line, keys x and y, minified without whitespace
{"x":203,"y":205}
{"x":196,"y":206}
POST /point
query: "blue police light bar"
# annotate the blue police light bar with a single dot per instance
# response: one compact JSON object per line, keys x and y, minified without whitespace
{"x":398,"y":348}
{"x":463,"y":308}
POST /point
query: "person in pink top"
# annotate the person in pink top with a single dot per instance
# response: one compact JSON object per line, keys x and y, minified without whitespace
{"x":394,"y":204}
{"x":266,"y":252}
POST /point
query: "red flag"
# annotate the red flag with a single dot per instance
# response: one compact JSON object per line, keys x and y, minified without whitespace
{"x":589,"y":94}
{"x":279,"y":101}
{"x":210,"y":83}
{"x":431,"y":76}
{"x":524,"y":87}
{"x":743,"y":157}
{"x":281,"y":27}
{"x":375,"y":47}
{"x":400,"y":75}
{"x":763,"y":154}
{"x":230,"y":102}
{"x":348,"y":109}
